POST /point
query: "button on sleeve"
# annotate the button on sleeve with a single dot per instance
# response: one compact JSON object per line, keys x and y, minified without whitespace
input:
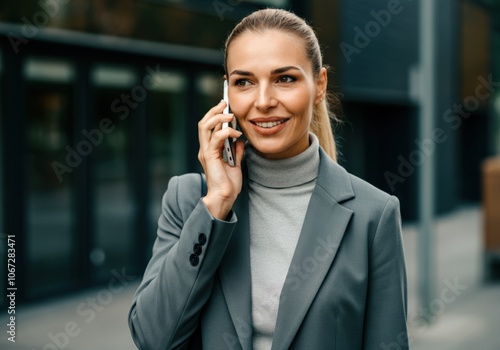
{"x":197,"y":249}
{"x":202,"y":239}
{"x":194,"y":259}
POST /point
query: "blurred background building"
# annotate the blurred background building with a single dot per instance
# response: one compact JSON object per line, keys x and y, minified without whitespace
{"x":100,"y":101}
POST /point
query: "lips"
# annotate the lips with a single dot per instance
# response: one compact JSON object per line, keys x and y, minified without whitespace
{"x":269,"y":126}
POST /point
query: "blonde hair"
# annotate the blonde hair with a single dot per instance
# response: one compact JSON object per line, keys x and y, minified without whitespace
{"x":276,"y":19}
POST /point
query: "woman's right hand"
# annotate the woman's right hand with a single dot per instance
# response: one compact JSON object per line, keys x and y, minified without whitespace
{"x":223,"y":181}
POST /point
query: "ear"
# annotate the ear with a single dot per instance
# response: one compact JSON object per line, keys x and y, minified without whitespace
{"x":321,"y":85}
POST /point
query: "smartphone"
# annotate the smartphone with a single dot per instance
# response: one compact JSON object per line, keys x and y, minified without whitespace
{"x":229,"y":152}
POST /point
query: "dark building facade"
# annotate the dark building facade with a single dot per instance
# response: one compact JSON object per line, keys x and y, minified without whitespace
{"x":100,"y":101}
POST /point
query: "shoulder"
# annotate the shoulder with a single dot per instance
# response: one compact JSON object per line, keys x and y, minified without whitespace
{"x":363,"y":198}
{"x":372,"y":203}
{"x":348,"y":189}
{"x":190,"y":182}
{"x":365,"y":191}
{"x":183,"y":192}
{"x":371,"y":199}
{"x":376,"y":215}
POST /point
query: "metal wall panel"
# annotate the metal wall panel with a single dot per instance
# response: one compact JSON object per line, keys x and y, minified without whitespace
{"x":447,"y":91}
{"x":379,"y":45}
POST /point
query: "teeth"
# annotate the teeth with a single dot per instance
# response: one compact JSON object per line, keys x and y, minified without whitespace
{"x":270,"y":124}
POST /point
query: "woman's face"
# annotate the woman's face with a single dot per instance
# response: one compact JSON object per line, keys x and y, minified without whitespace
{"x":272,"y":91}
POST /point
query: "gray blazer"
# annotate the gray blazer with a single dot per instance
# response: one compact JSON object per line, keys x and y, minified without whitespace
{"x":345,"y":290}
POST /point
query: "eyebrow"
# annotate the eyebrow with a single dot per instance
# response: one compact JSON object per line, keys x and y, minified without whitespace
{"x":274,"y":71}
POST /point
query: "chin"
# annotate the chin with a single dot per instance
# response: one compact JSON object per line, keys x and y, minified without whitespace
{"x":266,"y":149}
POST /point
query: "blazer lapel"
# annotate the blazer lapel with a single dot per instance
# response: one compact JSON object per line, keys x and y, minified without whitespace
{"x":324,"y":226}
{"x":234,"y":272}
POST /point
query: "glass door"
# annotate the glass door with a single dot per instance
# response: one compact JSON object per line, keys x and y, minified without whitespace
{"x":3,"y":234}
{"x":50,"y":160}
{"x":112,"y":168}
{"x":168,"y":136}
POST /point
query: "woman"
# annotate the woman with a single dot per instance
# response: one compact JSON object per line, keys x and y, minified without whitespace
{"x":286,"y":249}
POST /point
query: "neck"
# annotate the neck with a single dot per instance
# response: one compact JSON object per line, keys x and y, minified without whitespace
{"x":288,"y":172}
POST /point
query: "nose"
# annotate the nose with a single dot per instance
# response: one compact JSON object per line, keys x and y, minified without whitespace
{"x":265,"y":98}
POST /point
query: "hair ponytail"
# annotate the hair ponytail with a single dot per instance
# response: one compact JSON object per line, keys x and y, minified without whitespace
{"x":321,"y":126}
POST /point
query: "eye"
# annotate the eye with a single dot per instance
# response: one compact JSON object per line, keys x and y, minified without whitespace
{"x":241,"y":82}
{"x":286,"y":79}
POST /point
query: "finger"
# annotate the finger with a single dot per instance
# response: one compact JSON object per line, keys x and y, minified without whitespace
{"x":205,"y":133}
{"x":218,"y":136}
{"x":217,"y":109}
{"x":209,"y":126}
{"x":212,"y":148}
{"x":240,"y":149}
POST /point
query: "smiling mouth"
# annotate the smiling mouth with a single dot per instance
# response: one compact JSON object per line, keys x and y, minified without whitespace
{"x":268,"y":125}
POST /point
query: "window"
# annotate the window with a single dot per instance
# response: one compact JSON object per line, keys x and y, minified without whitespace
{"x":168,"y":135}
{"x":3,"y":234}
{"x":113,"y":205}
{"x":233,"y":9}
{"x":50,"y":239}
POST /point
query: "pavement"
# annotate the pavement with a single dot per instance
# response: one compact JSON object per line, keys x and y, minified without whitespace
{"x":464,"y":315}
{"x":465,"y":311}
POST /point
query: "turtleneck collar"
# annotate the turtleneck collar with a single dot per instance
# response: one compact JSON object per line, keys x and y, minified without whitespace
{"x":283,"y":173}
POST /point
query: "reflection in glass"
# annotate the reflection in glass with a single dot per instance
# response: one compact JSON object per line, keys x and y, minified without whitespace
{"x":168,"y":135}
{"x":3,"y":239}
{"x":209,"y":89}
{"x":271,"y":3}
{"x":111,"y":172}
{"x":49,"y":234}
{"x":44,"y":70}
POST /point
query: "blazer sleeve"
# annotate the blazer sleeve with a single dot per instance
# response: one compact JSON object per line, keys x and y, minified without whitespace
{"x":179,"y":277}
{"x":386,"y":305}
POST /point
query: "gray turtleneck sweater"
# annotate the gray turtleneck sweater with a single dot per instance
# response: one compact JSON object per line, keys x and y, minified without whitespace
{"x":279,"y":193}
